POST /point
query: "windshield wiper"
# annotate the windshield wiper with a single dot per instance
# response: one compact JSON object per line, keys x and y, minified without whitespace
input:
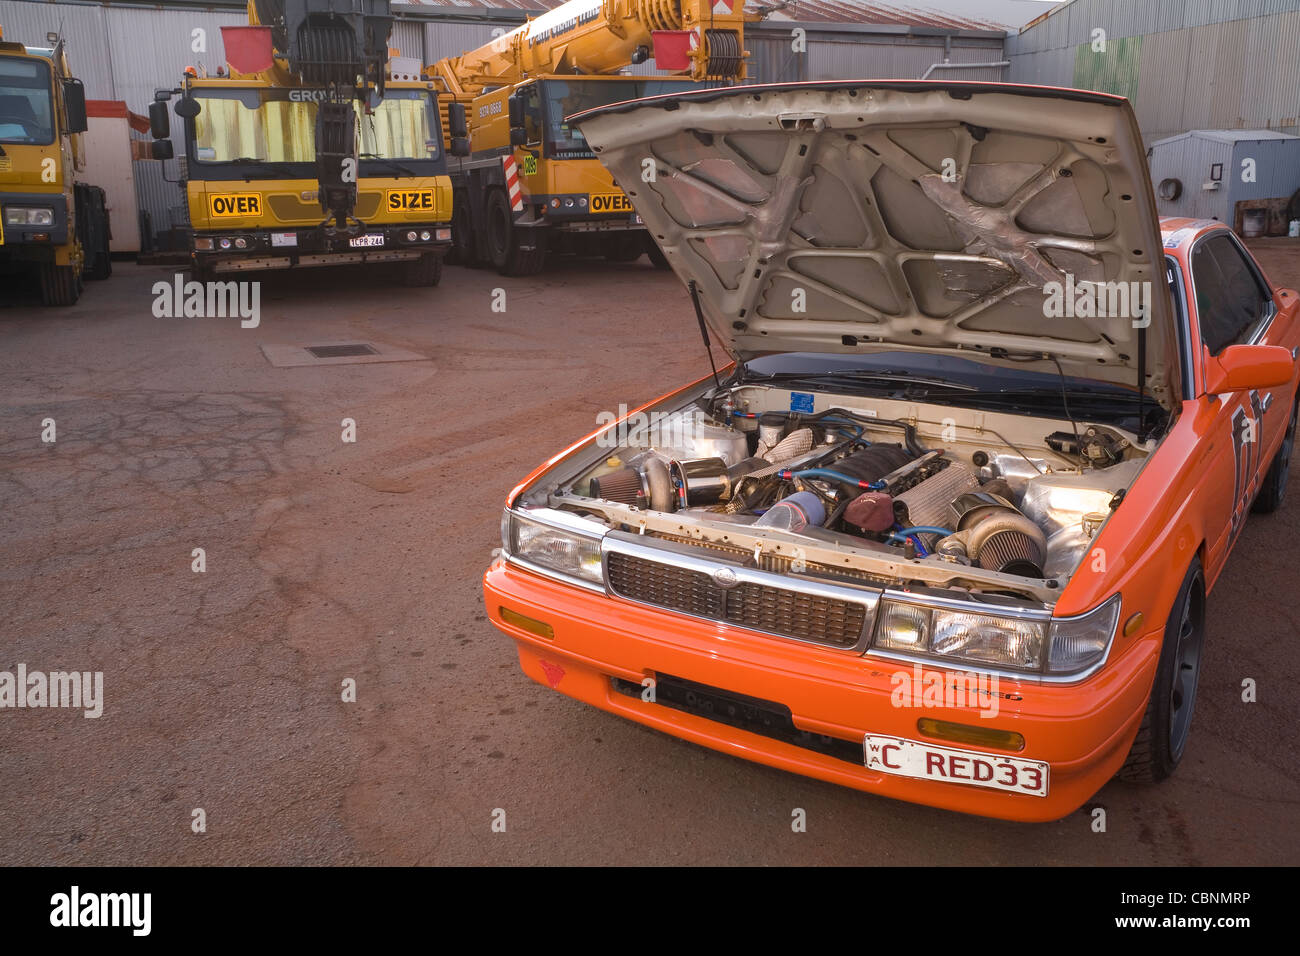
{"x":265,"y":164}
{"x":392,"y":163}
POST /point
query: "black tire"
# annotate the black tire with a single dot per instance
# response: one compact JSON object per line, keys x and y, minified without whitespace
{"x":655,"y":253}
{"x":1166,"y":725}
{"x":624,"y":248}
{"x":463,"y":249}
{"x":60,"y":285}
{"x":199,"y":272}
{"x":1273,"y":491}
{"x":423,"y":272}
{"x":503,"y":240}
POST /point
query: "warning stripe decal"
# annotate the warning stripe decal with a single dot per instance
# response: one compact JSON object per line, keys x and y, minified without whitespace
{"x":512,"y":183}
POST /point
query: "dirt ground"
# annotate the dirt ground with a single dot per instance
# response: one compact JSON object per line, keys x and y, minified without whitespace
{"x":328,"y":561}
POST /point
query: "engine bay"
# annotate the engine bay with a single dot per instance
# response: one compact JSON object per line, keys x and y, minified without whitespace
{"x":949,"y":497}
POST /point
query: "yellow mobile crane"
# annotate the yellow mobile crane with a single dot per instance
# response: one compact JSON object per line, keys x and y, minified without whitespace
{"x":51,"y":224}
{"x":525,"y":180}
{"x":320,"y":147}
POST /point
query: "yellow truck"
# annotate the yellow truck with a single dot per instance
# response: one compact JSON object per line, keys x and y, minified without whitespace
{"x":52,"y":224}
{"x":319,"y":146}
{"x":526,"y":182}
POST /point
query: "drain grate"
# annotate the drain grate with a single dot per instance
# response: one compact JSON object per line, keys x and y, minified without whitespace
{"x":341,"y":351}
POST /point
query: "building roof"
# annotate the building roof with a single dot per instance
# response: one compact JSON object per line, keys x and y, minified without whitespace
{"x":1227,"y":136}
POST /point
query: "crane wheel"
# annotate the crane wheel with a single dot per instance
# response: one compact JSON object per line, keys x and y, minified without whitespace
{"x":503,"y":240}
{"x":423,"y":272}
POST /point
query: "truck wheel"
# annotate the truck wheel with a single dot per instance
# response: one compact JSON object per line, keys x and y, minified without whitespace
{"x":60,"y":285}
{"x":98,"y":260}
{"x":423,"y":272}
{"x":1273,"y":490}
{"x":503,"y":240}
{"x":626,"y":248}
{"x":655,"y":253}
{"x":463,"y":251}
{"x":1167,"y":723}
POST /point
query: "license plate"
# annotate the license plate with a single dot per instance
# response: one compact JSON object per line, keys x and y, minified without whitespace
{"x":610,"y":202}
{"x":372,"y":239}
{"x":912,"y":758}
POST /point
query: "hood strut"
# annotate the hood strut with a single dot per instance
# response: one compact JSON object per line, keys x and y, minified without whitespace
{"x":704,"y":329}
{"x":1142,"y":384}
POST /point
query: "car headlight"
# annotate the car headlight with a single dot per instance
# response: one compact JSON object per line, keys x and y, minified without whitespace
{"x":1078,"y":643}
{"x":1059,"y":647}
{"x":567,"y":553}
{"x":29,"y":216}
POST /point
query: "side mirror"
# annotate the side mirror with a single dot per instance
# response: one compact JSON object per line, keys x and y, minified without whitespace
{"x":518,"y":136}
{"x":459,"y":146}
{"x":160,"y":120}
{"x":162,"y":149}
{"x":187,"y":107}
{"x":457,"y":125}
{"x":74,"y":106}
{"x":516,"y":109}
{"x":1239,"y":368}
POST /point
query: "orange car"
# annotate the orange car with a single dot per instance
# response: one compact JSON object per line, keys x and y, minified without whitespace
{"x":946,"y":528}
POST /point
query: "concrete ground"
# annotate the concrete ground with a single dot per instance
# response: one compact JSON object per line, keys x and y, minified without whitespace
{"x":328,"y":561}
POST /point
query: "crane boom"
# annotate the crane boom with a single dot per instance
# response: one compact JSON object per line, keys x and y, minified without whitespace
{"x":603,"y":36}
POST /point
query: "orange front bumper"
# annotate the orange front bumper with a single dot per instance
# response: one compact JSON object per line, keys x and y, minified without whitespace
{"x":1083,"y":730}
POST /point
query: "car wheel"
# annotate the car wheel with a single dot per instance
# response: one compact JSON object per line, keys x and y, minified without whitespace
{"x":1167,"y":723}
{"x":1273,"y":490}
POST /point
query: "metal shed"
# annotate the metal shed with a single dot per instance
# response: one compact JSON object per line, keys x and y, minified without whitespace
{"x":1237,"y":176}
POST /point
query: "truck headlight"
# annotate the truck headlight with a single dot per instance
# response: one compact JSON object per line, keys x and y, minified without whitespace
{"x":29,"y":216}
{"x":562,"y":551}
{"x":1078,"y":643}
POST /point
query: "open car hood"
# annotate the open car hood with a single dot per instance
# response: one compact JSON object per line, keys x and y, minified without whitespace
{"x":936,"y":216}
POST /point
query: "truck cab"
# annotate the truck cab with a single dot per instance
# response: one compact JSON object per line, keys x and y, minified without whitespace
{"x":533,"y":187}
{"x":52,"y":225}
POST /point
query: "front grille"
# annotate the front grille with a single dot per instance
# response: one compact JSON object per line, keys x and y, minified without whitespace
{"x":758,"y":716}
{"x":775,"y":610}
{"x":292,"y":209}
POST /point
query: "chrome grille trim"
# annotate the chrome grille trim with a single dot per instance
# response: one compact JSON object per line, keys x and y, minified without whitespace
{"x":761,"y":595}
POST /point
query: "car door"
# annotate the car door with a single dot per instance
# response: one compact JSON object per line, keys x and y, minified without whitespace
{"x":1233,"y":305}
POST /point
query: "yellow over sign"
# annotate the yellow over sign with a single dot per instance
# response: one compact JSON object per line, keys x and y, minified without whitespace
{"x":232,"y":205}
{"x":610,"y":202}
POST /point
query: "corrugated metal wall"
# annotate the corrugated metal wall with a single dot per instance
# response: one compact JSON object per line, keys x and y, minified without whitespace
{"x":831,"y":54}
{"x":1201,"y":64}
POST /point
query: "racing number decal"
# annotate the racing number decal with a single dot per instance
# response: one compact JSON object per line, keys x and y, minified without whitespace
{"x":230,"y":205}
{"x":1246,"y":422}
{"x":409,"y":200}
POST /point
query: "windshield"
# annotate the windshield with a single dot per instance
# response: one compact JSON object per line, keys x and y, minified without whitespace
{"x":278,"y":126}
{"x":563,"y":98}
{"x":26,"y":104}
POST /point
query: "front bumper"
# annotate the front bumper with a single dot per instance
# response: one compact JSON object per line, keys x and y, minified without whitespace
{"x":41,"y":237}
{"x":301,"y":248}
{"x":1083,"y":731}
